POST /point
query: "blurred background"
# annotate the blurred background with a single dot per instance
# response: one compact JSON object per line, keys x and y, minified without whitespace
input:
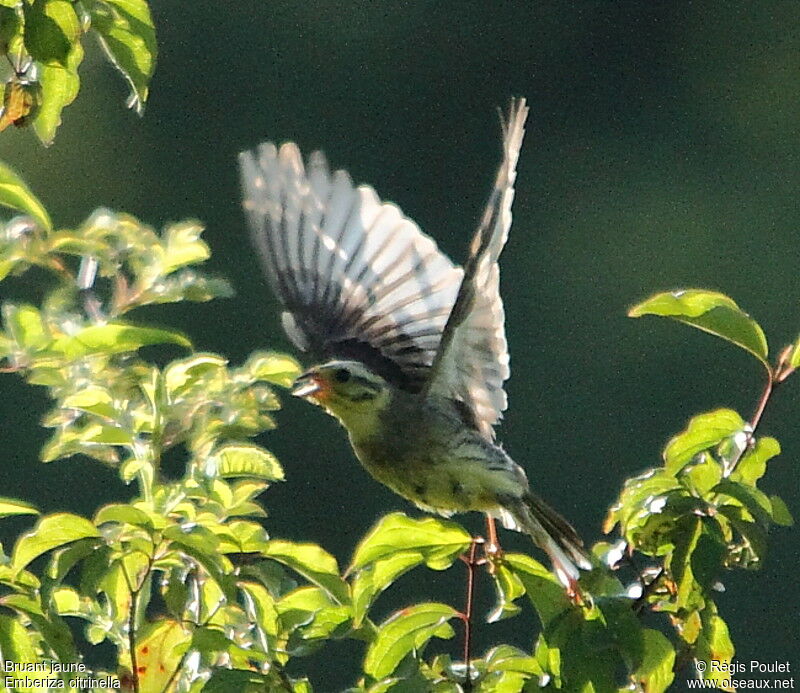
{"x":662,"y":152}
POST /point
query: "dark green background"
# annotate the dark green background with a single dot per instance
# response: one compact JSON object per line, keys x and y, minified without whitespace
{"x":662,"y":152}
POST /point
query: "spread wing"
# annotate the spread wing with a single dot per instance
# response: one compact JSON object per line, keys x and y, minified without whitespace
{"x":358,"y":280}
{"x":472,"y":361}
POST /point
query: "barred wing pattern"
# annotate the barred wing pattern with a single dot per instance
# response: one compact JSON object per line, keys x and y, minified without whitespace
{"x":358,"y":279}
{"x":472,"y":363}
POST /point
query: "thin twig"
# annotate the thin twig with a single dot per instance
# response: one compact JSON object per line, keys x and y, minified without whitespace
{"x":132,"y":639}
{"x":466,"y":616}
{"x":777,"y":375}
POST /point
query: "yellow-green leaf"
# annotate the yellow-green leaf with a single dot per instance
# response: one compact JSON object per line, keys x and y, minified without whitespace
{"x":703,"y":432}
{"x":439,"y":541}
{"x":114,"y":338}
{"x":273,"y":367}
{"x":405,"y":631}
{"x":128,"y":36}
{"x":711,"y":312}
{"x":313,"y":563}
{"x":51,"y":27}
{"x":11,"y":506}
{"x":244,"y":461}
{"x":60,"y":85}
{"x":49,"y":533}
{"x":15,"y":194}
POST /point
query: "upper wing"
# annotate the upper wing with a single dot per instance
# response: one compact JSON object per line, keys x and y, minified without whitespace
{"x":472,"y":362}
{"x":357,"y":278}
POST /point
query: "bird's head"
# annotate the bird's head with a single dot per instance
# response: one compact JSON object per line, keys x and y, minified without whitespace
{"x":346,"y":389}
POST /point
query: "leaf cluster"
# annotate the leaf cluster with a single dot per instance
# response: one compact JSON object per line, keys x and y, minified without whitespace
{"x":42,"y":42}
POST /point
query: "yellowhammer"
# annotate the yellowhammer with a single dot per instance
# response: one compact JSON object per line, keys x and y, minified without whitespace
{"x":412,"y":349}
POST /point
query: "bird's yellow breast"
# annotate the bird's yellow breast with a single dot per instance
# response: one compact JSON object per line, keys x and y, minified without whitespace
{"x":430,"y":457}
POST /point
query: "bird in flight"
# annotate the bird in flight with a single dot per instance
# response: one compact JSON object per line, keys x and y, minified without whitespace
{"x":411,"y":349}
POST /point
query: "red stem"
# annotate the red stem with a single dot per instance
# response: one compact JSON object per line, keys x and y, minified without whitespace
{"x":471,"y":562}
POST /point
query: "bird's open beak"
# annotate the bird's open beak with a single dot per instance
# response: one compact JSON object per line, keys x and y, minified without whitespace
{"x":307,"y":384}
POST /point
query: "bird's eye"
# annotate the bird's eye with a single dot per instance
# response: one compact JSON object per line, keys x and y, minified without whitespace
{"x":342,"y":375}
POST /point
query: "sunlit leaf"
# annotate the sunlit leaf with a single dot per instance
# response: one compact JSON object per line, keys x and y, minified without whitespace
{"x":51,"y":27}
{"x":509,"y":588}
{"x":709,"y":311}
{"x":313,"y":563}
{"x":15,"y":194}
{"x":60,"y":85}
{"x":310,"y":616}
{"x":127,"y":34}
{"x":231,"y":461}
{"x":15,"y":642}
{"x":439,"y":541}
{"x":260,"y":607}
{"x":50,"y":532}
{"x":273,"y":367}
{"x":11,"y":506}
{"x":405,"y":631}
{"x":123,"y":514}
{"x":753,"y":464}
{"x":543,"y":589}
{"x":654,"y":673}
{"x":26,"y":326}
{"x":114,"y":338}
{"x":184,"y":373}
{"x":373,"y":579}
{"x":95,"y":400}
{"x":159,"y":650}
{"x":714,"y":645}
{"x":703,"y":432}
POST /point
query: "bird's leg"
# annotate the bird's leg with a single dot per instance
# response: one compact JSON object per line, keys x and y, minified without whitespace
{"x":471,"y":561}
{"x":491,"y":549}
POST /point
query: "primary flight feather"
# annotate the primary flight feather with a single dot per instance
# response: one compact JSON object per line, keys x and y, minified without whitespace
{"x":412,"y":349}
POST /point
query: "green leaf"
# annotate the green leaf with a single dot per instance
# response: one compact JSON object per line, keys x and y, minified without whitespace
{"x":230,"y":461}
{"x":51,"y":27}
{"x":123,"y":514}
{"x":780,"y":512}
{"x":753,"y":463}
{"x":15,"y":194}
{"x":711,"y":312}
{"x":49,"y":533}
{"x":183,"y":246}
{"x":755,"y":501}
{"x":654,"y":673}
{"x":438,"y":541}
{"x":60,"y":85}
{"x":703,"y":432}
{"x":794,"y":355}
{"x":93,"y":399}
{"x":26,"y":326}
{"x":11,"y":506}
{"x":15,"y":643}
{"x":114,"y":338}
{"x":714,"y":645}
{"x":126,"y":32}
{"x":159,"y":651}
{"x":313,"y":563}
{"x":509,"y":588}
{"x":405,"y":631}
{"x":273,"y":367}
{"x":183,"y":374}
{"x":310,"y":617}
{"x":374,"y":578}
{"x":543,"y":589}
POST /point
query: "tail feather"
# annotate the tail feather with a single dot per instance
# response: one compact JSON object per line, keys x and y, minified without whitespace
{"x":552,"y":533}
